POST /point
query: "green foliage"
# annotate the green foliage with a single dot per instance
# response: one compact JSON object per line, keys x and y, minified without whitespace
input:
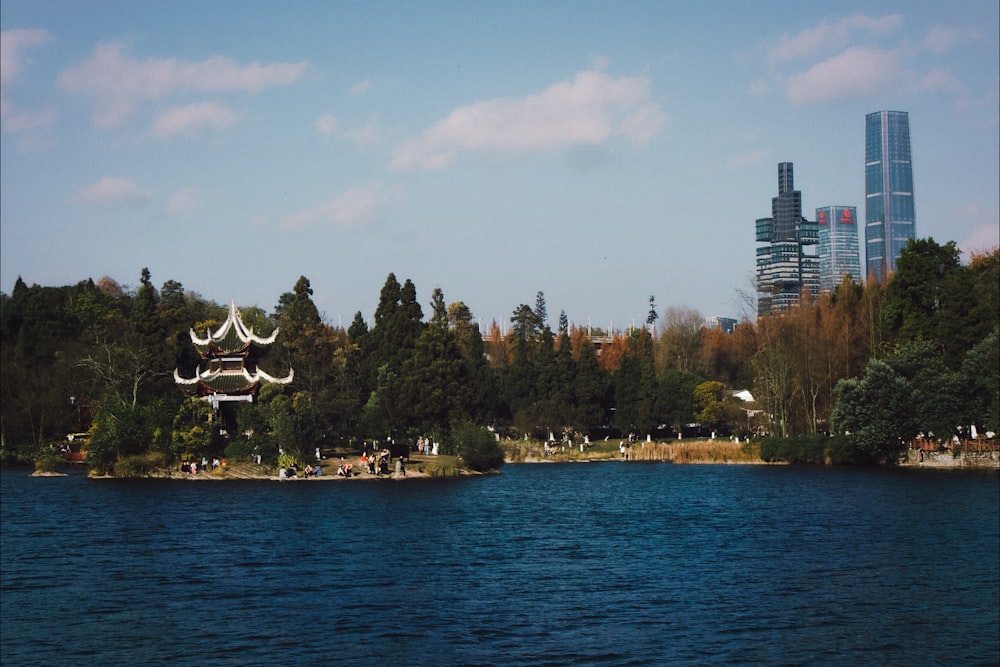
{"x":140,"y":465}
{"x":933,"y":298}
{"x":981,"y":376}
{"x":192,"y":432}
{"x":478,"y":448}
{"x":811,"y":449}
{"x":710,"y":399}
{"x":254,"y":437}
{"x":122,"y":431}
{"x":48,"y":461}
{"x":636,"y":386}
{"x":876,"y":411}
{"x":676,"y":397}
{"x":99,"y":356}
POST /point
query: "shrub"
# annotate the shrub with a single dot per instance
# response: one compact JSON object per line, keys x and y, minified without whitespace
{"x":48,"y":462}
{"x":477,"y":447}
{"x":138,"y":465}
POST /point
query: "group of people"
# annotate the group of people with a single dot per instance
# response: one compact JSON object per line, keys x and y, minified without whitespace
{"x":292,"y":471}
{"x":425,"y":446}
{"x":194,"y":467}
{"x":377,"y":463}
{"x":625,"y":449}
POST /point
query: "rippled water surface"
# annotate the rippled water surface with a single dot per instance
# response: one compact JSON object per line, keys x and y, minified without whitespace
{"x":577,"y":564}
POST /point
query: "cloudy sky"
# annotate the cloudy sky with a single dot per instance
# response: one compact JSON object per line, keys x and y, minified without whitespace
{"x":599,"y":152}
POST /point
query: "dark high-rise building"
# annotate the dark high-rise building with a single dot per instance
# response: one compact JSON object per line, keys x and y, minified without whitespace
{"x":889,"y":214}
{"x":784,"y":268}
{"x":838,"y":245}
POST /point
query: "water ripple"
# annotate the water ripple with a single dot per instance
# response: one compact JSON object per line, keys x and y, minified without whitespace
{"x":608,"y":564}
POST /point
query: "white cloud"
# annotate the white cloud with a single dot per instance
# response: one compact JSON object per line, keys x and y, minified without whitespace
{"x":984,"y":222}
{"x":183,"y":200}
{"x":117,"y":82}
{"x":364,"y":135}
{"x":13,"y":47}
{"x":355,"y":208}
{"x":589,"y":110}
{"x":361,"y":87}
{"x":853,"y":73}
{"x":193,"y":117}
{"x":942,"y":38}
{"x":326,"y":125}
{"x":828,"y":36}
{"x":758,"y":88}
{"x":113,"y":191}
{"x":941,"y":79}
{"x":17,"y":121}
{"x":748,"y":159}
{"x":13,"y":44}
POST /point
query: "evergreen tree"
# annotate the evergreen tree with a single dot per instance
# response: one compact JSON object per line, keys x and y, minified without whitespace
{"x":590,"y":387}
{"x":932,"y":297}
{"x":541,"y":311}
{"x":877,"y":412}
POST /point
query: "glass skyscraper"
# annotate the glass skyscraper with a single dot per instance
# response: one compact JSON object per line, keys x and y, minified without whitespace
{"x":784,"y":268}
{"x":838,"y":245}
{"x":889,"y":215}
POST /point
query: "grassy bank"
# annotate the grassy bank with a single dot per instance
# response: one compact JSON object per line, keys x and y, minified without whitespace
{"x":692,"y":451}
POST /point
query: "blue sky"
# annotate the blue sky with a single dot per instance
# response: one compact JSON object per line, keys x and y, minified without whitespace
{"x":597,"y":151}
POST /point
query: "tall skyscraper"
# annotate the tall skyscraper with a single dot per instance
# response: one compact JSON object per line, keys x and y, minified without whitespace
{"x":784,"y":268}
{"x":889,"y":213}
{"x":838,"y":245}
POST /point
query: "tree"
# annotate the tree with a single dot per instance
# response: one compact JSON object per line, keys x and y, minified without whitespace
{"x":477,"y":447}
{"x":773,"y":365}
{"x":680,"y":342}
{"x":591,"y":385}
{"x":478,"y":397}
{"x":310,"y":348}
{"x":932,"y":297}
{"x":192,"y":432}
{"x":635,"y":386}
{"x":306,"y":344}
{"x":433,"y":377}
{"x":526,"y":325}
{"x":938,"y":402}
{"x":541,"y":312}
{"x":714,"y":403}
{"x":676,"y":397}
{"x":981,"y":375}
{"x":876,"y":411}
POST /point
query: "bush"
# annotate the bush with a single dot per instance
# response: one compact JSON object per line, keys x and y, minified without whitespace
{"x":48,"y":462}
{"x":478,"y":448}
{"x":839,"y":449}
{"x":796,"y":449}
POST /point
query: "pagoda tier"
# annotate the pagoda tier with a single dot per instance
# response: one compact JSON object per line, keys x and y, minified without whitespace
{"x":229,"y":363}
{"x":233,"y":337}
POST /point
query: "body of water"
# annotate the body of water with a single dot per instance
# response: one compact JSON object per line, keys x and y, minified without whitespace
{"x":575,"y":564}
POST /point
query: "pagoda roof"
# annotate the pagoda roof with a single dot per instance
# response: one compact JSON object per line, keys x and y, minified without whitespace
{"x":233,"y":335}
{"x":229,"y":382}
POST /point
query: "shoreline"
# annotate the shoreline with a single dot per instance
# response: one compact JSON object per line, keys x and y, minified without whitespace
{"x":424,"y":467}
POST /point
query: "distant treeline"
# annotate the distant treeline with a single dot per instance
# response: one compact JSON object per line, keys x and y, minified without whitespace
{"x":918,"y":355}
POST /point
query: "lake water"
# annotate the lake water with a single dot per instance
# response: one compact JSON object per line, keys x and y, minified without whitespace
{"x":575,"y":564}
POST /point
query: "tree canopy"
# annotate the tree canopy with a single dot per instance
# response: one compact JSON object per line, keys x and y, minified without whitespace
{"x":915,"y":356}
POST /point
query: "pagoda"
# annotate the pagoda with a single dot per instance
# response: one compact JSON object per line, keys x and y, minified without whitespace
{"x":229,"y":363}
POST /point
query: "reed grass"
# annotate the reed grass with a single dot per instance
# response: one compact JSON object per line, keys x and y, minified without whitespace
{"x":693,"y":451}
